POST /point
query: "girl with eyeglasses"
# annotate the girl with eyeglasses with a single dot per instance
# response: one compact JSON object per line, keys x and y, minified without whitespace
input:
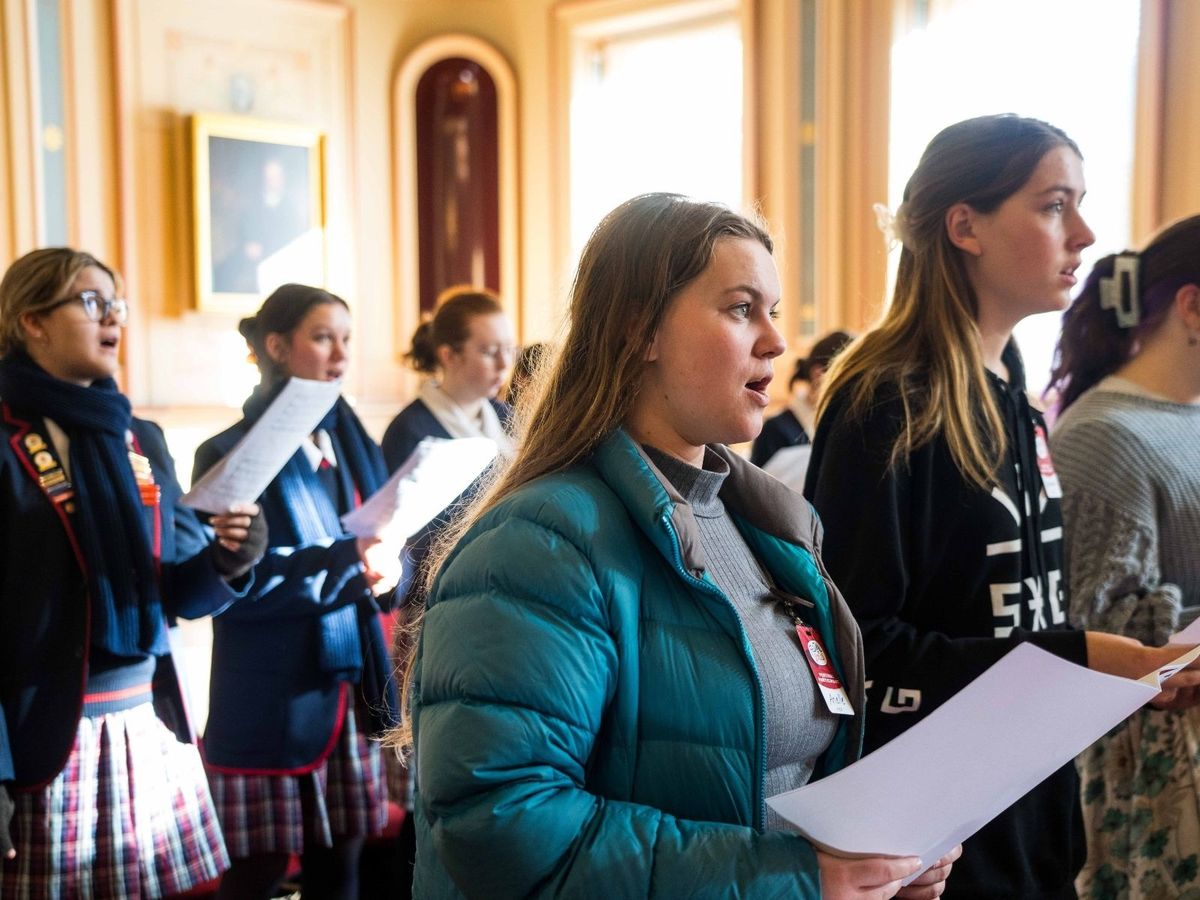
{"x":466,"y":349}
{"x":301,"y":678}
{"x":96,"y":753}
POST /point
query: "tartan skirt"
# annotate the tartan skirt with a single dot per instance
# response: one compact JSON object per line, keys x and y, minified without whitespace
{"x":345,"y":796}
{"x":129,"y":816}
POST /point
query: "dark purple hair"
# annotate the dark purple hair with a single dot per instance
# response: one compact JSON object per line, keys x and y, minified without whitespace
{"x":1094,"y":343}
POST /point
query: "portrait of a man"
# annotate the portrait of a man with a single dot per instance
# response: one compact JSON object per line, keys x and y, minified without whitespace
{"x":259,"y":221}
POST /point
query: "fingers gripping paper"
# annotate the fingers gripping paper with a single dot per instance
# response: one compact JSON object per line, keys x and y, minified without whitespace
{"x":970,"y":759}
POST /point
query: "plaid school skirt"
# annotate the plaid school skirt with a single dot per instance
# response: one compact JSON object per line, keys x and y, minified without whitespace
{"x":345,"y":796}
{"x":129,"y":816}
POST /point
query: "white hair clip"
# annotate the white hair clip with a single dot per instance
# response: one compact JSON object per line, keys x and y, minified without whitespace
{"x":1119,"y":291}
{"x":885,"y":219}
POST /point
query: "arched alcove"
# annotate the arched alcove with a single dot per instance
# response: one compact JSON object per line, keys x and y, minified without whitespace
{"x":455,"y":176}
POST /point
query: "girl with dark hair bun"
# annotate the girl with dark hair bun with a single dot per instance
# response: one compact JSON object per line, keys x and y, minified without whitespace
{"x":466,"y":348}
{"x":1127,"y":448}
{"x":301,"y":678}
{"x":795,"y":426}
{"x":930,"y":470}
{"x":102,"y":792}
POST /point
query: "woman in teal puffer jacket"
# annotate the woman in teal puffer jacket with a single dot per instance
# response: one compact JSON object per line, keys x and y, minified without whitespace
{"x":609,"y":681}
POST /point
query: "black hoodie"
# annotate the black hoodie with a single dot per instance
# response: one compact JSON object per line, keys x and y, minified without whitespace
{"x":944,"y":579}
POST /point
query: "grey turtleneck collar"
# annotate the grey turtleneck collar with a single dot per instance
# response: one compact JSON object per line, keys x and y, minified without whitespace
{"x":699,"y":487}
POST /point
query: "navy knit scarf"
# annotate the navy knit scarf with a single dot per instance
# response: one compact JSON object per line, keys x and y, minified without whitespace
{"x":109,"y":519}
{"x":351,"y":645}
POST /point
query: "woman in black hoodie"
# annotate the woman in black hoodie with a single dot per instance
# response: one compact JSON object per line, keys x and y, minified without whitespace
{"x":930,"y":470}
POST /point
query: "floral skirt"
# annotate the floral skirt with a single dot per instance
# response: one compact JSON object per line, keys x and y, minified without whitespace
{"x":1141,"y":809}
{"x":129,"y":816}
{"x":344,"y":796}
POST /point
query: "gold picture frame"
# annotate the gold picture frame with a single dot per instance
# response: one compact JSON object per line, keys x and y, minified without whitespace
{"x":259,"y":209}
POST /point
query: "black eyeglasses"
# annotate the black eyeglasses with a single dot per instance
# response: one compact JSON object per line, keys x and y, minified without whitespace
{"x":96,"y":307}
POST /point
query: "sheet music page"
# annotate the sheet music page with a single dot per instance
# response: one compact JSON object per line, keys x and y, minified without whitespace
{"x":434,"y":474}
{"x":246,"y":470}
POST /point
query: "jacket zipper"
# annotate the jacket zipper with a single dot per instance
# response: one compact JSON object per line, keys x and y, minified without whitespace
{"x":760,"y":814}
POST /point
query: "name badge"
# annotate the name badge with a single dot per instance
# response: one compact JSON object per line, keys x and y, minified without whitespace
{"x":1046,"y":465}
{"x":827,"y":680}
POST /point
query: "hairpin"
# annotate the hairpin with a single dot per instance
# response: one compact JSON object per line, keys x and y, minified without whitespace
{"x":1119,"y":291}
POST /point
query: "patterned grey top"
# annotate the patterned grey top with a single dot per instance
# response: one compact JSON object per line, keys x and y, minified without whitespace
{"x":799,"y":724}
{"x":1130,"y":469}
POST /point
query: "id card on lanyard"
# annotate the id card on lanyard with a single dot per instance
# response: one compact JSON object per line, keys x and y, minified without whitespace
{"x":819,"y":662}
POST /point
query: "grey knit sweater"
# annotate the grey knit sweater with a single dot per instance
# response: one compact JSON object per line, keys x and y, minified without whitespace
{"x":1130,"y":469}
{"x":799,"y":725}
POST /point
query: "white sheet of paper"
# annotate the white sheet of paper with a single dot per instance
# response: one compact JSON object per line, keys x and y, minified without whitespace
{"x":790,"y":465}
{"x":1188,"y":635}
{"x":953,"y":772}
{"x":434,"y":474}
{"x":246,"y":470}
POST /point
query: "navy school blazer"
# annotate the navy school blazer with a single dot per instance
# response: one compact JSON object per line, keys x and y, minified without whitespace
{"x":274,"y":707}
{"x":45,"y":610}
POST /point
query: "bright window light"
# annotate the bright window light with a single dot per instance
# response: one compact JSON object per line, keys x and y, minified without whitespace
{"x":1070,"y":62}
{"x":658,"y":110}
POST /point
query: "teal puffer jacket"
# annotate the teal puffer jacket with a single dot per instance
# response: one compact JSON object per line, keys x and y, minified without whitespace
{"x":588,"y":717}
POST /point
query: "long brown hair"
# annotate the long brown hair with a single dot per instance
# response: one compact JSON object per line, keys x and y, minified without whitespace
{"x":927,"y":341}
{"x":639,"y":257}
{"x":1093,"y":343}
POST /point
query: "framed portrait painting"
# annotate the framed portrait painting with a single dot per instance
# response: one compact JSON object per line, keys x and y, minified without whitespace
{"x":259,"y":209}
